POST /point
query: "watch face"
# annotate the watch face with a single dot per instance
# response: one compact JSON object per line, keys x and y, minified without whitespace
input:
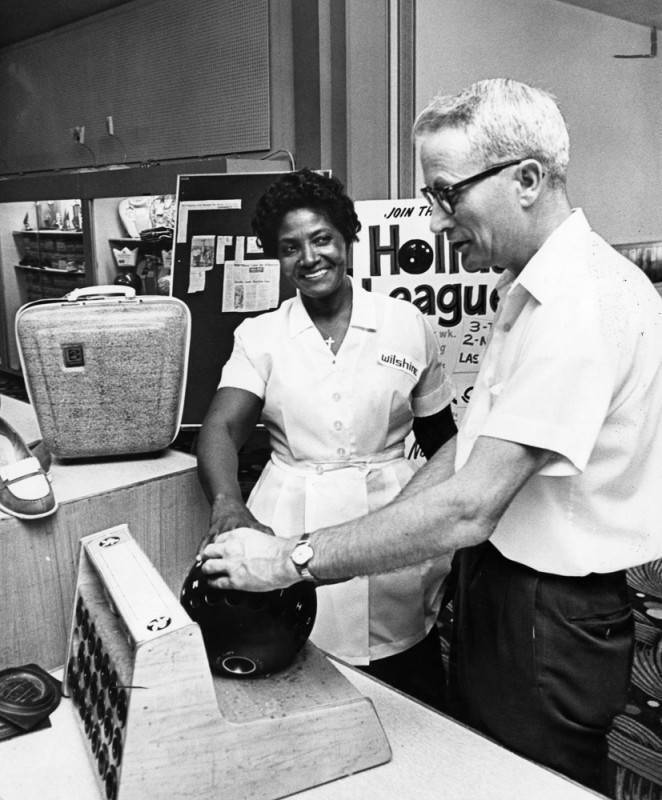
{"x":302,"y":554}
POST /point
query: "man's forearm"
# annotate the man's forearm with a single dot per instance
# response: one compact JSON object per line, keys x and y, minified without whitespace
{"x":434,"y":472}
{"x":394,"y":527}
{"x":432,"y":518}
{"x":411,"y":529}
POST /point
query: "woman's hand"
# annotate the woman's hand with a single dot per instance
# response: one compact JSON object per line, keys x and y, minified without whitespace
{"x":227,"y":514}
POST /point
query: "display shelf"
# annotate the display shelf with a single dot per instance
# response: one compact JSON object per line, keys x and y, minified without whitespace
{"x":45,"y":253}
{"x":51,"y":260}
{"x":55,"y":243}
{"x":47,"y":231}
{"x":54,"y":270}
{"x":125,"y":240}
{"x":37,"y":283}
{"x":145,"y":245}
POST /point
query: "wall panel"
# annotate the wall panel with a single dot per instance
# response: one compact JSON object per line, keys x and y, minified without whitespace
{"x":368,"y":83}
{"x":179,"y":79}
{"x":611,"y":105}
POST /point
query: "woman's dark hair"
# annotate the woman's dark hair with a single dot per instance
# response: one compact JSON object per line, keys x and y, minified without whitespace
{"x":303,"y":189}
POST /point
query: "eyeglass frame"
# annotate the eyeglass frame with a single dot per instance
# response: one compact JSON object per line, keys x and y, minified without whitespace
{"x":446,"y":196}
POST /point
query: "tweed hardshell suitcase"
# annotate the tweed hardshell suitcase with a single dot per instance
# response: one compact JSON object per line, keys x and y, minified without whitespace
{"x":105,"y":370}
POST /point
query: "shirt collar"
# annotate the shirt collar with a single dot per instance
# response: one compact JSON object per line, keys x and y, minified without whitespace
{"x":546,"y":272}
{"x":363,"y":312}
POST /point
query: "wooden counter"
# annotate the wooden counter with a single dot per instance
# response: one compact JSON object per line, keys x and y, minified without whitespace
{"x":433,"y":758}
{"x":158,"y":497}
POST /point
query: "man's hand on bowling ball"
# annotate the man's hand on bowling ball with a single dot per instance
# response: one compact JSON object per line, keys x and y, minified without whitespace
{"x":249,"y":560}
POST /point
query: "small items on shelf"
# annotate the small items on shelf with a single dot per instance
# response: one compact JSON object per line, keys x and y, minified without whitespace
{"x":125,"y":252}
{"x":144,"y":263}
{"x":40,"y":282}
{"x":59,"y":215}
{"x":50,"y":250}
{"x":128,"y":276}
{"x":54,"y":242}
{"x":58,"y":250}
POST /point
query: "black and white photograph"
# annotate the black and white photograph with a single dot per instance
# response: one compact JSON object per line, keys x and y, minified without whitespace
{"x":330,"y":399}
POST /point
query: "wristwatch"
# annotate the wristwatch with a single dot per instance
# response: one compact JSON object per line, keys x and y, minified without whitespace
{"x":301,"y":555}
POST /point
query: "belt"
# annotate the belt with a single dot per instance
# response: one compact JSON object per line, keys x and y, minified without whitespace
{"x":363,"y":463}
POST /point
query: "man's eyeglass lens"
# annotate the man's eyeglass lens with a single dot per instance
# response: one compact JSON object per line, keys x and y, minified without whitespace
{"x":447,"y":195}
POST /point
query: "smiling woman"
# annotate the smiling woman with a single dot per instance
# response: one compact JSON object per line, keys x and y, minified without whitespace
{"x":339,"y":377}
{"x":307,"y":221}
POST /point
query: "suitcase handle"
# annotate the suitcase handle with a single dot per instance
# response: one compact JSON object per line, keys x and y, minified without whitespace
{"x":100,"y":292}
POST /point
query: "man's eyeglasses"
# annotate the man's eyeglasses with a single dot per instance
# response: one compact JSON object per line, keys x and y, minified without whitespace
{"x":447,"y":195}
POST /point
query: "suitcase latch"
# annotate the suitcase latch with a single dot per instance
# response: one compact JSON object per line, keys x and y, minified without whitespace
{"x":73,"y":355}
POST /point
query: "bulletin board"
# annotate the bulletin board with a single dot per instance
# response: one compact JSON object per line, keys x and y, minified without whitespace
{"x":220,"y":273}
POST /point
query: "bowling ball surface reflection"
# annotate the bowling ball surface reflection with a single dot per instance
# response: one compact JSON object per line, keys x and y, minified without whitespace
{"x":247,"y":634}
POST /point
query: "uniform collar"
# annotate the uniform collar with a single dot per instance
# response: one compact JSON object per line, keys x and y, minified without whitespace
{"x":363,"y":312}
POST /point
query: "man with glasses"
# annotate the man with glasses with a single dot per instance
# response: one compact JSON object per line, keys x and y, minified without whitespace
{"x":549,"y":491}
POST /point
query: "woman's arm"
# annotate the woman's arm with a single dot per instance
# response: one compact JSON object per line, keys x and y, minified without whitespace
{"x":434,"y":431}
{"x":231,"y":417}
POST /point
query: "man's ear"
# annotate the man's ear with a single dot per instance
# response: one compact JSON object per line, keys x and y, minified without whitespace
{"x":529,"y":175}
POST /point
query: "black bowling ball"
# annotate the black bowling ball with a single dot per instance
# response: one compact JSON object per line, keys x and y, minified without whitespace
{"x":249,"y":633}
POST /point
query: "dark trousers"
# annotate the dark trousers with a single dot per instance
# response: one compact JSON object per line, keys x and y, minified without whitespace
{"x":540,"y":663}
{"x":419,"y":671}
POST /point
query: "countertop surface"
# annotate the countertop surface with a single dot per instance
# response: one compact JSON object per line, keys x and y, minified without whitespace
{"x":432,"y":757}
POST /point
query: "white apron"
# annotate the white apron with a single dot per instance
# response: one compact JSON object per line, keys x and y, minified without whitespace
{"x":363,"y":618}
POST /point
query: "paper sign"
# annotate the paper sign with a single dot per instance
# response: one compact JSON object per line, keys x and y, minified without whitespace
{"x":200,"y":205}
{"x":398,"y":255}
{"x":251,"y":285}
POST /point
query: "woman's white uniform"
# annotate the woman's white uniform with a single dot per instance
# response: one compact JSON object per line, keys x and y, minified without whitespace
{"x":337,"y":425}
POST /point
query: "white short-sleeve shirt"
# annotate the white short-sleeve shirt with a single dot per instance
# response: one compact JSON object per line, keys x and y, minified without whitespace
{"x":574,"y":367}
{"x":337,"y":425}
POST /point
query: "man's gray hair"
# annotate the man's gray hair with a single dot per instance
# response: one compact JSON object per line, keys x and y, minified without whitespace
{"x":504,"y":119}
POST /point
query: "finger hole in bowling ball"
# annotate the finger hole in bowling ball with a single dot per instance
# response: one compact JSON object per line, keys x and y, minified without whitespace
{"x":236,"y":665}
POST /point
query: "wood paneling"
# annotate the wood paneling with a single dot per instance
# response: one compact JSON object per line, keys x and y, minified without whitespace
{"x":158,"y":498}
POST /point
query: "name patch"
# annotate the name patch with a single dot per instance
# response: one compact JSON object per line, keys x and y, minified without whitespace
{"x":401,"y":362}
